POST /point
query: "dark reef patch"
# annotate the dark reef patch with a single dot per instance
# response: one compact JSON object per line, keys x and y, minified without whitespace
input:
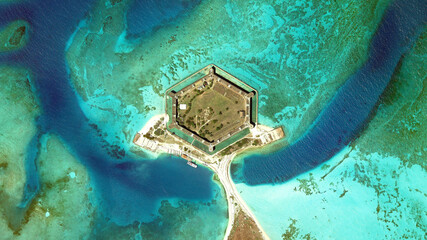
{"x":348,"y":112}
{"x":17,"y":36}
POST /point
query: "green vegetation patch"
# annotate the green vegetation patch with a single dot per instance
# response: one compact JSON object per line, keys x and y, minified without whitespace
{"x":231,"y":140}
{"x":210,"y":114}
{"x":293,"y":232}
{"x":14,"y":35}
{"x":213,"y":107}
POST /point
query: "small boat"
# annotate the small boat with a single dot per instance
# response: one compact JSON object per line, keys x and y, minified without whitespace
{"x":189,"y":161}
{"x":192,"y":164}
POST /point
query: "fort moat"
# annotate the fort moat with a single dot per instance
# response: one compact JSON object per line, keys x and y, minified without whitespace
{"x":211,"y":117}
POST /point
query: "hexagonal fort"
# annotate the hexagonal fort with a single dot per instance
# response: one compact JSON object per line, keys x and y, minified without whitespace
{"x":211,"y":109}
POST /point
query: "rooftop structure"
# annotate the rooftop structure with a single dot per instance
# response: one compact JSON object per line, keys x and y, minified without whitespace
{"x":219,"y":109}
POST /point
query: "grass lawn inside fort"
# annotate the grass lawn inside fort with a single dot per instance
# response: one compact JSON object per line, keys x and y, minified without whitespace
{"x":211,"y":109}
{"x":209,"y":113}
{"x":211,"y":117}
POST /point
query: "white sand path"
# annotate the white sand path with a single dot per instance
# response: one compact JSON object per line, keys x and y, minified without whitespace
{"x":222,"y":169}
{"x":233,"y":196}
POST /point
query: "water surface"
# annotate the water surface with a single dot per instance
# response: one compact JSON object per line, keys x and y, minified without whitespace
{"x":348,"y":112}
{"x":129,"y":189}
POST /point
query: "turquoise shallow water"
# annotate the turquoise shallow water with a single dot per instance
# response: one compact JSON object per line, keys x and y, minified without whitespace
{"x":128,"y":189}
{"x":281,"y":48}
{"x":347,"y":114}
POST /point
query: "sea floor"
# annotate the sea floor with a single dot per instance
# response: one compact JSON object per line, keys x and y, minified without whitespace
{"x":68,"y":205}
{"x":373,"y":189}
{"x":122,"y":79}
{"x":366,"y":196}
{"x":284,"y":51}
{"x":176,"y":201}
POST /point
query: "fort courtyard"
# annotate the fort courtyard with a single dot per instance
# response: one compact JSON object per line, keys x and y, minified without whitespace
{"x":211,"y":109}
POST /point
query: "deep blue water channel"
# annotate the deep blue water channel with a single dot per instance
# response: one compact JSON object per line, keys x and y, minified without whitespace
{"x":352,"y":106}
{"x":130,"y":189}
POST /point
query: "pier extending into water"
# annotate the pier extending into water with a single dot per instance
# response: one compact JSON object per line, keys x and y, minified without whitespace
{"x":155,"y":138}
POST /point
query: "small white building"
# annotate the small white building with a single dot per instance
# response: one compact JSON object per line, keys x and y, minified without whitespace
{"x":182,"y":106}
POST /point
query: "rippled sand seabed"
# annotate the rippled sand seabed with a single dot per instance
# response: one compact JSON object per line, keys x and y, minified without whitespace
{"x":374,"y":188}
{"x":296,"y":53}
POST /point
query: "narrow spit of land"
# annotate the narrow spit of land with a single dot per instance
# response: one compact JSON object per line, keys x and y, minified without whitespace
{"x":155,"y":138}
{"x":244,"y":228}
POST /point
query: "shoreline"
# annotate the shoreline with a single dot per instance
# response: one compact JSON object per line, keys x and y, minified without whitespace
{"x":244,"y":207}
{"x":164,"y":142}
{"x":233,"y":197}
